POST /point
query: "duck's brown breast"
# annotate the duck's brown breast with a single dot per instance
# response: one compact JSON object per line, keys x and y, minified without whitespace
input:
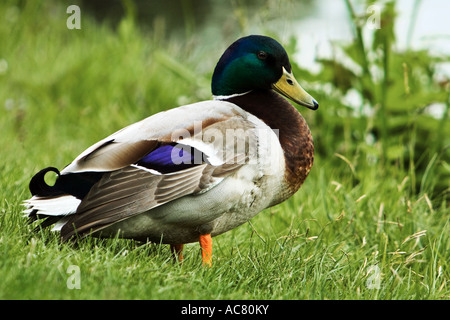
{"x":294,"y":134}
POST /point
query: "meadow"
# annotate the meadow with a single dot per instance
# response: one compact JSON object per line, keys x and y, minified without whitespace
{"x":370,"y":222}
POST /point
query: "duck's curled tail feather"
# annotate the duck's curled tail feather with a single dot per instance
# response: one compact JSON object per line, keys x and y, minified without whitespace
{"x":38,"y":186}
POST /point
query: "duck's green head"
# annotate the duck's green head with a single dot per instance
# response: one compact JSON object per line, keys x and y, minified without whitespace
{"x":258,"y":63}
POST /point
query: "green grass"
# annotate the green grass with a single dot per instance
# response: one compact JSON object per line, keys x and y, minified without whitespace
{"x":64,"y":90}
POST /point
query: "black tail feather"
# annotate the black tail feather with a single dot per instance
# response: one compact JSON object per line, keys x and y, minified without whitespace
{"x":76,"y":184}
{"x":38,"y":186}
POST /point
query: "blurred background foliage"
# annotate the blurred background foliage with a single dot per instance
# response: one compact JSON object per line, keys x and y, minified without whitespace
{"x":117,"y":69}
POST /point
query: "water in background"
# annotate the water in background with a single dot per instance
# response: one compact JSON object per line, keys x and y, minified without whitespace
{"x":419,"y":25}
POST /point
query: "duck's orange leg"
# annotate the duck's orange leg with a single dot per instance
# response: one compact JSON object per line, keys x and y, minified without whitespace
{"x":177,"y":251}
{"x":206,"y":245}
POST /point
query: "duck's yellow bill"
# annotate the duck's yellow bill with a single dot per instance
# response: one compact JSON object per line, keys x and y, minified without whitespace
{"x":290,"y":88}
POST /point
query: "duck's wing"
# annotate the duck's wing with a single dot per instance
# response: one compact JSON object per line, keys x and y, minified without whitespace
{"x":127,"y":192}
{"x":162,"y":158}
{"x":128,"y":145}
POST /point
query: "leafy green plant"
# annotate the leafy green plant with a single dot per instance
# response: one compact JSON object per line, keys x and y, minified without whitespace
{"x":391,"y":125}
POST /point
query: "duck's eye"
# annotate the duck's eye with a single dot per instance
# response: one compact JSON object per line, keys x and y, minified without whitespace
{"x":262,"y":55}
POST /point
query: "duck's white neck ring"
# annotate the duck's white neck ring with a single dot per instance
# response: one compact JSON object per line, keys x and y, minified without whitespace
{"x":230,"y":96}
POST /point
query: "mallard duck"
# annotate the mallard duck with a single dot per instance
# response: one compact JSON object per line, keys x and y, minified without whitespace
{"x":193,"y":172}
